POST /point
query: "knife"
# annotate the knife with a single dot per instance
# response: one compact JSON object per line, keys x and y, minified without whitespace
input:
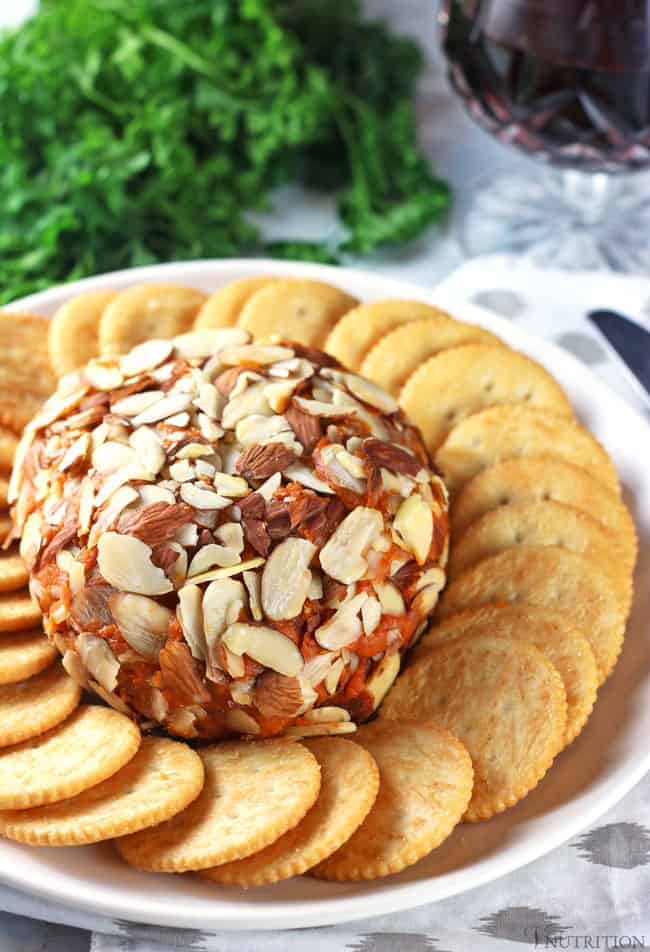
{"x":631,"y":344}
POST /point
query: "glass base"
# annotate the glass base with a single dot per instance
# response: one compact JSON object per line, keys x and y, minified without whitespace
{"x":561,"y":219}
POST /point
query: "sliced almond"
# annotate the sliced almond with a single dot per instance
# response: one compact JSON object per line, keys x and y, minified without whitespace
{"x":253,"y":583}
{"x":110,"y":456}
{"x":241,"y":722}
{"x":370,"y":393}
{"x":231,"y":535}
{"x":306,"y":477}
{"x":86,"y":505}
{"x":351,"y":463}
{"x":178,"y":571}
{"x":286,"y":578}
{"x":97,"y":658}
{"x":200,"y":344}
{"x":190,"y":616}
{"x":136,"y":403}
{"x":143,"y":622}
{"x":232,"y":486}
{"x":125,"y":563}
{"x":342,"y":555}
{"x":279,"y":394}
{"x":390,"y":597}
{"x":116,"y":504}
{"x":266,"y":646}
{"x":381,"y":680}
{"x":149,"y":449}
{"x":223,"y":601}
{"x":163,"y":408}
{"x":182,"y":471}
{"x":334,"y":676}
{"x":75,"y":453}
{"x":211,"y":556}
{"x":187,"y":535}
{"x":434,"y":576}
{"x":102,"y":376}
{"x":371,"y":615}
{"x":156,"y":493}
{"x":330,"y":714}
{"x":414,"y":524}
{"x":146,"y":356}
{"x":199,"y":498}
{"x":254,"y":354}
{"x":209,"y":400}
{"x":344,"y":627}
{"x":277,"y":696}
{"x":240,"y":406}
{"x":228,"y":571}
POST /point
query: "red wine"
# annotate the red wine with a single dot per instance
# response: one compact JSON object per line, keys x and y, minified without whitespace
{"x":567,"y":81}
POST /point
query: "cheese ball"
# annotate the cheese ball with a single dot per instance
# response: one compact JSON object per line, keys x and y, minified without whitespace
{"x":229,"y":537}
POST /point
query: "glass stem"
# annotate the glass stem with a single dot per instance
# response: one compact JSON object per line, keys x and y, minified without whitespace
{"x":588,"y":193}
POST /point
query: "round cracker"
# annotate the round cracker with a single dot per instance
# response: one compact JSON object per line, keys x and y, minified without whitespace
{"x":34,"y":706}
{"x":502,"y":698}
{"x":91,"y":745}
{"x":73,"y":337}
{"x":13,"y":571}
{"x":401,"y":351}
{"x":461,"y":381}
{"x":304,"y":311}
{"x":160,"y":780}
{"x":349,"y":786}
{"x":24,"y":654}
{"x":511,"y":431}
{"x":147,"y":311}
{"x":425,"y":786}
{"x":547,"y":577}
{"x":358,"y":332}
{"x":8,"y":447}
{"x":544,"y":478}
{"x":543,"y":523}
{"x":564,"y":647}
{"x":26,"y":379}
{"x":254,"y":792}
{"x":223,"y":307}
{"x":18,"y":611}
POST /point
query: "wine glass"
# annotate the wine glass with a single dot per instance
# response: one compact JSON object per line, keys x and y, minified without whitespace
{"x":567,"y":83}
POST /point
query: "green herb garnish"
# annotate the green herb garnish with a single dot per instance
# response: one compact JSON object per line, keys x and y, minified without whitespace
{"x":137,"y":131}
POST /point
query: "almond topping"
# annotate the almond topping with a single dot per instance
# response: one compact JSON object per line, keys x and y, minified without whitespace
{"x":254,"y":354}
{"x":125,"y":563}
{"x":370,"y":393}
{"x":327,"y":715}
{"x":390,"y":597}
{"x":344,"y":627}
{"x":145,"y":357}
{"x":266,"y":646}
{"x":261,"y":461}
{"x":307,"y":428}
{"x":166,"y":407}
{"x":149,"y":449}
{"x":143,"y":622}
{"x":202,"y":498}
{"x":190,"y":615}
{"x":136,"y":403}
{"x":389,"y":456}
{"x":286,"y":578}
{"x":342,"y":556}
{"x":157,"y":522}
{"x":414,"y":524}
{"x":277,"y":696}
{"x":212,"y":555}
{"x":228,"y":571}
{"x":97,"y":658}
{"x":199,"y":344}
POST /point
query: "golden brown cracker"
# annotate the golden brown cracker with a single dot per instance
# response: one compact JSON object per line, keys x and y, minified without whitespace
{"x":73,"y":337}
{"x":13,"y":571}
{"x":18,"y":611}
{"x":91,"y":745}
{"x":547,"y":577}
{"x":34,"y":706}
{"x":543,"y":523}
{"x":402,"y":350}
{"x":502,"y":698}
{"x":349,"y":786}
{"x":540,"y":479}
{"x":458,"y":382}
{"x":147,"y":311}
{"x":254,"y":792}
{"x":509,"y":432}
{"x":26,"y":379}
{"x":300,"y":310}
{"x":223,"y":307}
{"x":361,"y":328}
{"x":160,"y":780}
{"x":24,"y":654}
{"x":564,"y":647}
{"x":424,"y":788}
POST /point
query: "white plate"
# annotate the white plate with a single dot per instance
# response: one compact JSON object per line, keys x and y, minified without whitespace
{"x":608,"y":758}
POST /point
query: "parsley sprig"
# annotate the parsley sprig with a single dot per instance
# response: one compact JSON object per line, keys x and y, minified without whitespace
{"x":138,"y":131}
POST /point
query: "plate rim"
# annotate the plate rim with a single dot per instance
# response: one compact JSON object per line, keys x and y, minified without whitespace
{"x":385,"y":897}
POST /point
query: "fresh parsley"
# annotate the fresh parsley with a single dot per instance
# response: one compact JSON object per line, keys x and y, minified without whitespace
{"x":137,"y":131}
